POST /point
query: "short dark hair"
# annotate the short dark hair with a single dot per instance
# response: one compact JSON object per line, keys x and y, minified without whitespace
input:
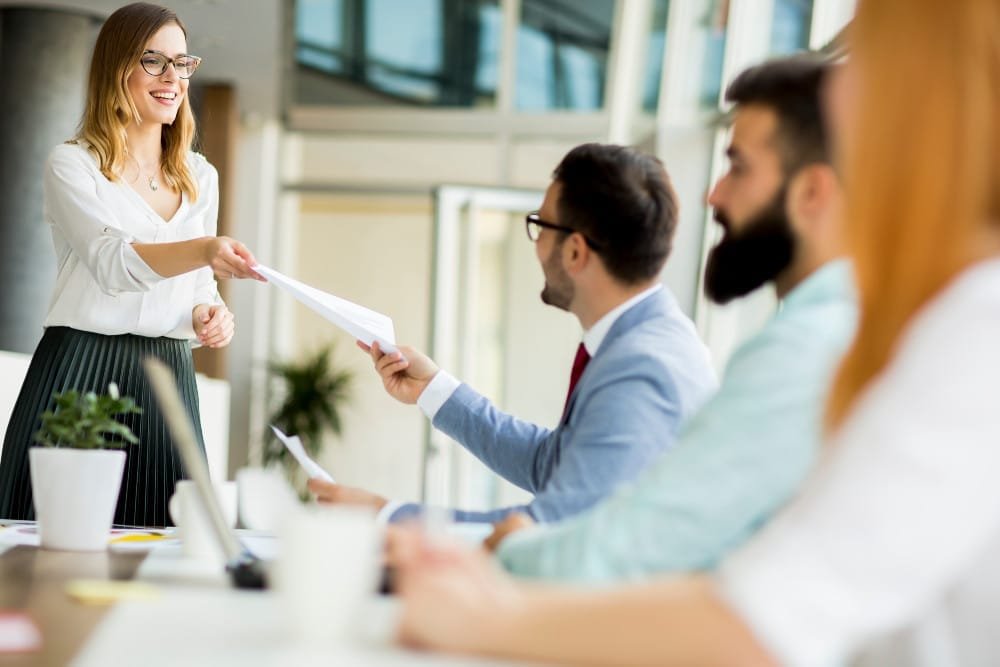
{"x":790,"y":87}
{"x":622,"y":200}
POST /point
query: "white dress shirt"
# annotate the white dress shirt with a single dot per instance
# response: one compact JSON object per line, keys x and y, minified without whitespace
{"x":102,"y":285}
{"x":892,"y":551}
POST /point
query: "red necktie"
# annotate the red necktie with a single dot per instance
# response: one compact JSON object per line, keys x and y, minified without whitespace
{"x":581,"y":361}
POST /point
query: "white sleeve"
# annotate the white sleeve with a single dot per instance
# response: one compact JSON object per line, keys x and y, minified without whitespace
{"x":903,"y":505}
{"x":384,"y":514}
{"x":436,"y":393}
{"x":91,"y":230}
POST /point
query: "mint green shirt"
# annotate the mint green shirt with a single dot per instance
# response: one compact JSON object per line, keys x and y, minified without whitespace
{"x":737,"y":461}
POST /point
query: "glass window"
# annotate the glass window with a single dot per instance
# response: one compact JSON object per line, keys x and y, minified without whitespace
{"x":562,"y":54}
{"x":654,"y":55}
{"x":318,"y":34}
{"x":790,"y":26}
{"x":429,"y":52}
{"x":713,"y":35}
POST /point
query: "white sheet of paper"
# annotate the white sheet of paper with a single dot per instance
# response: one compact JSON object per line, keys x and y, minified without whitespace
{"x":294,"y":445}
{"x":364,"y":324}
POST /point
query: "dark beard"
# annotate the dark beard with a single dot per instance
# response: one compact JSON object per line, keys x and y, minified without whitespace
{"x":743,"y":261}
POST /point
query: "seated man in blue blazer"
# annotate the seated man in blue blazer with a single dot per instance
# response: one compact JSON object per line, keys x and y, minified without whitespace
{"x":602,"y":236}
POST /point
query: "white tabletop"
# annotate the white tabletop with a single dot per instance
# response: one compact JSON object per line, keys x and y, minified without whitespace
{"x":198,"y":619}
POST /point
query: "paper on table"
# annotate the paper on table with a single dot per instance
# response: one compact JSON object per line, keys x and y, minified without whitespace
{"x":294,"y":445}
{"x":18,"y":633}
{"x":102,"y":591}
{"x":364,"y":324}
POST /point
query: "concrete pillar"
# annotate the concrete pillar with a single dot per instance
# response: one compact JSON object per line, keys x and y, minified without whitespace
{"x":44,"y":59}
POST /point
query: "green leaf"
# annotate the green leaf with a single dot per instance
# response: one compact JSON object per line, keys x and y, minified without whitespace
{"x":311,"y":396}
{"x":87,"y":421}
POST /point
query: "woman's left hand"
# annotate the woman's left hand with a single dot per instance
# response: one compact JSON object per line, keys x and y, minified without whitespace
{"x":214,"y":325}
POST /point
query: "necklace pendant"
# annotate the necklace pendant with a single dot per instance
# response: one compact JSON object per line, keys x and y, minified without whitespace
{"x":153,"y":185}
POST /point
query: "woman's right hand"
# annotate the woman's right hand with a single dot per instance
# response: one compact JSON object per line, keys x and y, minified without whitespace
{"x":230,"y":259}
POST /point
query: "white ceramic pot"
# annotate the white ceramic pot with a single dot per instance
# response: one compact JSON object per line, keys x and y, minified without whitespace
{"x":75,"y":493}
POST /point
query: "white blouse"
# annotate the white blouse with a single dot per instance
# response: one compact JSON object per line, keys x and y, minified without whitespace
{"x":102,"y":285}
{"x":892,"y":551}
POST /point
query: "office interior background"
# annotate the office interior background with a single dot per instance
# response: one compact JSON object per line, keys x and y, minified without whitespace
{"x":386,"y":151}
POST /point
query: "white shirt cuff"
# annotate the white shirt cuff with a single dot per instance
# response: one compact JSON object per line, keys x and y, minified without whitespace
{"x":384,"y":514}
{"x":437,"y":392}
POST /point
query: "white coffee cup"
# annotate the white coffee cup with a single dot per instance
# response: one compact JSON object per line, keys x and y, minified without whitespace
{"x":266,"y":498}
{"x":194,"y":527}
{"x":329,"y":562}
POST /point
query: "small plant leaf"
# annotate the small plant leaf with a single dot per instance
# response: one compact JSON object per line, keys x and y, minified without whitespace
{"x":87,"y":421}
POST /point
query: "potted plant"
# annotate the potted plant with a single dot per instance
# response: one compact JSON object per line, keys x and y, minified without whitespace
{"x":77,"y":471}
{"x":312,"y":395}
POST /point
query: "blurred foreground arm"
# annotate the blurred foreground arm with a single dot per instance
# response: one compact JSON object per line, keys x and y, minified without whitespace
{"x":457,"y":600}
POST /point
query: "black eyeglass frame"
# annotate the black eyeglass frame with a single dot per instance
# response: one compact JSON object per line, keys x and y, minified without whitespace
{"x":169,"y":61}
{"x":532,"y":220}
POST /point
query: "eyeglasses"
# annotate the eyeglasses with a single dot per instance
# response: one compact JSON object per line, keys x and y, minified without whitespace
{"x":155,"y":64}
{"x":534,"y":225}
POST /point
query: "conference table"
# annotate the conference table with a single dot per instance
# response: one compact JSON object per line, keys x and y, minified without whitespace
{"x":186,"y":613}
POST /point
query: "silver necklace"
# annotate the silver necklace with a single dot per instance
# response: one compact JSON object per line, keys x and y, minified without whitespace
{"x":151,"y":181}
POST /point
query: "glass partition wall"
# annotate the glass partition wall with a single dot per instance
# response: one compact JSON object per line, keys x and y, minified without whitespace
{"x":491,"y":329}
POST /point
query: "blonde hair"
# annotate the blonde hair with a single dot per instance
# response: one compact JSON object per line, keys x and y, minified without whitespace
{"x":922,"y":168}
{"x":110,"y":108}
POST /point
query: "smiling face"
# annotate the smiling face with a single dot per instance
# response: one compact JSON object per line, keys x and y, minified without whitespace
{"x":157,"y":98}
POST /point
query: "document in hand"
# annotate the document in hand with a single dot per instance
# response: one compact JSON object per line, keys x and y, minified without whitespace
{"x":366,"y":325}
{"x":294,"y":446}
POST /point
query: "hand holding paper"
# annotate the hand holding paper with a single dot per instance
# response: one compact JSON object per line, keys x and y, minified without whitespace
{"x":404,"y":375}
{"x":294,"y":445}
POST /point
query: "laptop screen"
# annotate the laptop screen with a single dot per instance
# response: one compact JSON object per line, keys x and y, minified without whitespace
{"x":183,"y":437}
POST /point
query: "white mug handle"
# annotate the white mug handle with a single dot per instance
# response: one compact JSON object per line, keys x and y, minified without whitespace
{"x":174,"y":507}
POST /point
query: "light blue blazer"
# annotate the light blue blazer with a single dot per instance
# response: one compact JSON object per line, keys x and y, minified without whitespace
{"x":649,"y":375}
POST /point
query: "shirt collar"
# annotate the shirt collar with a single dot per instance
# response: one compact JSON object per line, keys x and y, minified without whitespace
{"x":833,"y":279}
{"x":594,"y":336}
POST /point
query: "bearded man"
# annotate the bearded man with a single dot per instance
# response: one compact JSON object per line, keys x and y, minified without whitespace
{"x":749,"y":448}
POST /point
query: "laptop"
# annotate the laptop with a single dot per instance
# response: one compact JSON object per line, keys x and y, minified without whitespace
{"x":245,"y":569}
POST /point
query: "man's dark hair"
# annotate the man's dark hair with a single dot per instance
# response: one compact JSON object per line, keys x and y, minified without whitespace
{"x":620,"y":199}
{"x":791,"y":88}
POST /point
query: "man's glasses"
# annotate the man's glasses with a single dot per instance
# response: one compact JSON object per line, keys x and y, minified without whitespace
{"x":534,"y":225}
{"x":155,"y":64}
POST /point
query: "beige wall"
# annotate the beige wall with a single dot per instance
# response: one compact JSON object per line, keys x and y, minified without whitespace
{"x":397,"y":161}
{"x":375,"y":251}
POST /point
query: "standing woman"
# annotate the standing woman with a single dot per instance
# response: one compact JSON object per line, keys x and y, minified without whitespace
{"x":133,"y":215}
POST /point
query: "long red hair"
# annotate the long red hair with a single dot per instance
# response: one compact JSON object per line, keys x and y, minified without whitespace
{"x":921,"y":168}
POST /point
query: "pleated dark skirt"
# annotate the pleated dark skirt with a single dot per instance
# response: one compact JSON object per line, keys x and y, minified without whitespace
{"x":69,"y":359}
